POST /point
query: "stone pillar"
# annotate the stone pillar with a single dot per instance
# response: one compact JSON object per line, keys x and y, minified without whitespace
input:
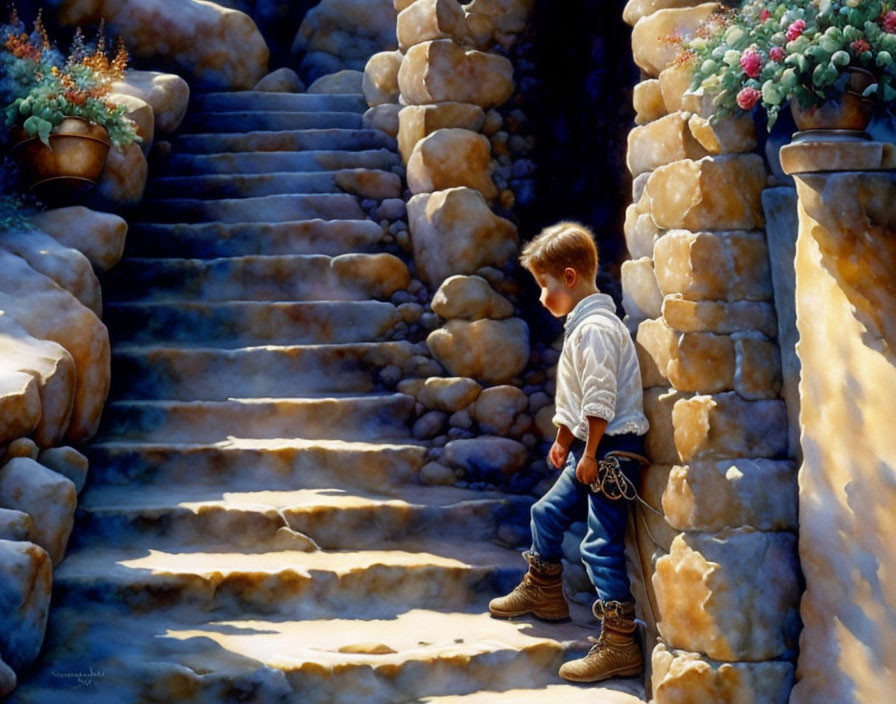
{"x":722,"y":575}
{"x":846,"y":315}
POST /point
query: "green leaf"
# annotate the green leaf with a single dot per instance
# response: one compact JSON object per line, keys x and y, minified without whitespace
{"x":885,"y":58}
{"x":840,"y":58}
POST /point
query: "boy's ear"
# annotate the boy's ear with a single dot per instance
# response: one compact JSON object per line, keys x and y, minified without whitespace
{"x":570,"y":276}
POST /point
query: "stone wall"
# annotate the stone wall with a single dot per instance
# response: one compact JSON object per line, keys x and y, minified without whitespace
{"x":722,"y":573}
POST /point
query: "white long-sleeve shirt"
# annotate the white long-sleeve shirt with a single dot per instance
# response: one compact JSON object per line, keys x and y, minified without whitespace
{"x":598,"y":373}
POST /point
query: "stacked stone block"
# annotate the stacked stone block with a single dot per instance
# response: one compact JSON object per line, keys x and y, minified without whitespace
{"x":723,"y":576}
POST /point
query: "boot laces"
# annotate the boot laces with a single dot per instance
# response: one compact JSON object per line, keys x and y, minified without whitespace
{"x":599,"y":643}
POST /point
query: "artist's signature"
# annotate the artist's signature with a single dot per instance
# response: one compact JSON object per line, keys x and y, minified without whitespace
{"x":81,"y":679}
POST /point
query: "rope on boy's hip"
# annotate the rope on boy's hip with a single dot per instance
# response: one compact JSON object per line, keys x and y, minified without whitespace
{"x":612,"y":482}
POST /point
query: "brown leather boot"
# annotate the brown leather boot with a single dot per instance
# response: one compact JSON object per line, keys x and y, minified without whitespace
{"x":615,"y":653}
{"x":540,"y":593}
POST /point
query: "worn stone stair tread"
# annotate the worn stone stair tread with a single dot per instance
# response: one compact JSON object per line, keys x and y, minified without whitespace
{"x":262,"y":162}
{"x":269,"y":209}
{"x":257,"y":120}
{"x":212,"y":240}
{"x":285,"y":141}
{"x":242,"y":323}
{"x":238,"y":101}
{"x":220,"y":186}
{"x":628,"y":691}
{"x":159,"y":371}
{"x":259,"y":277}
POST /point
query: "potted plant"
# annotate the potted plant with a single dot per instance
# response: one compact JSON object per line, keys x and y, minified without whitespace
{"x":826,"y":58}
{"x":57,"y":109}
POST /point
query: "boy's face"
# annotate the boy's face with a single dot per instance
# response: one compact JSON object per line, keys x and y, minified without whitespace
{"x":556,"y":291}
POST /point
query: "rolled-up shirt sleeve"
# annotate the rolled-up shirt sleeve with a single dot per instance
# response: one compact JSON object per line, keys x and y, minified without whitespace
{"x":596,"y":361}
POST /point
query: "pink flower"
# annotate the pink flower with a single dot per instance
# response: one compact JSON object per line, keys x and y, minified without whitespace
{"x":747,"y":98}
{"x":795,"y":30}
{"x":764,"y":15}
{"x":777,"y":53}
{"x":860,"y":46}
{"x":889,"y":22}
{"x":751,"y":62}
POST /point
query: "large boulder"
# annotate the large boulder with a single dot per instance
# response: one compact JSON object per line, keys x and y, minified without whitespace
{"x":507,"y":16}
{"x":15,"y":525}
{"x":48,"y":312}
{"x":98,"y":236}
{"x":651,"y":49}
{"x":455,"y":232}
{"x":141,"y":113}
{"x":441,"y":71}
{"x":450,"y":158}
{"x":232,"y":54}
{"x":448,"y":394}
{"x":380,"y":83}
{"x":283,"y":80}
{"x":661,"y":142}
{"x":487,"y":458}
{"x":647,"y":99}
{"x":123,"y":179}
{"x":470,"y":297}
{"x":344,"y":81}
{"x":498,"y":407}
{"x":425,"y":20}
{"x":492,"y":351}
{"x":166,"y":93}
{"x":19,"y":404}
{"x":24,"y":601}
{"x":418,"y":121}
{"x":68,"y":462}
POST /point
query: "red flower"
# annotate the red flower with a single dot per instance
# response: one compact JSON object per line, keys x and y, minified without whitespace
{"x":860,"y":46}
{"x":764,"y":15}
{"x":795,"y":30}
{"x":777,"y":53}
{"x":751,"y":62}
{"x":888,"y":21}
{"x":747,"y":98}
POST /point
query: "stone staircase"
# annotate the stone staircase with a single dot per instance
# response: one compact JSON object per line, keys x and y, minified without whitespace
{"x":253,"y":529}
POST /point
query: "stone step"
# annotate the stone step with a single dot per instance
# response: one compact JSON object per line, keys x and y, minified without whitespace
{"x":271,"y":162}
{"x":291,"y":584}
{"x":185,"y":515}
{"x":243,"y":185}
{"x":409,"y":655}
{"x":186,"y":374}
{"x":249,"y":323}
{"x":265,"y":209}
{"x":211,"y":240}
{"x":252,"y":121}
{"x":242,"y":463}
{"x":369,"y":417}
{"x":280,"y":277}
{"x":284,"y":141}
{"x":258,"y":101}
{"x":616,"y":691}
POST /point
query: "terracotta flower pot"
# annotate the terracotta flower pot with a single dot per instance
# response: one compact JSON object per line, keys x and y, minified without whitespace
{"x":850,"y":111}
{"x":69,"y":166}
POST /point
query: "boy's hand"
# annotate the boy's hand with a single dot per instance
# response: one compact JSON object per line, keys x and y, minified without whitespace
{"x":586,"y":470}
{"x":557,"y":454}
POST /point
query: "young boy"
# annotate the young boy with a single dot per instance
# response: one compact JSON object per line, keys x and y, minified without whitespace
{"x":600,"y":420}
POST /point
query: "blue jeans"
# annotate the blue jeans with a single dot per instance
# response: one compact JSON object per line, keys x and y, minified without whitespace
{"x":569,"y":500}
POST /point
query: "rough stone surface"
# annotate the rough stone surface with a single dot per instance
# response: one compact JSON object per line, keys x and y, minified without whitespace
{"x":419,"y":121}
{"x":704,"y":583}
{"x":694,"y":361}
{"x":641,"y":232}
{"x":487,"y":456}
{"x":369,"y":183}
{"x":727,"y":136}
{"x":455,"y":232}
{"x":471,"y":298}
{"x":636,"y":9}
{"x":544,"y":422}
{"x":429,"y":425}
{"x":441,"y":71}
{"x":758,"y":374}
{"x":661,"y":142}
{"x":425,"y":20}
{"x":24,"y":601}
{"x":48,"y":497}
{"x":15,"y":525}
{"x":507,"y":16}
{"x":47,"y":312}
{"x":232,"y":53}
{"x":647,"y":99}
{"x":19,"y":404}
{"x":641,"y":297}
{"x":651,"y":53}
{"x":719,"y":316}
{"x":723,"y":266}
{"x":345,"y":81}
{"x":283,"y":80}
{"x":451,"y":158}
{"x":123,"y":179}
{"x":802,"y":157}
{"x":725,"y":426}
{"x":98,"y":236}
{"x":383,"y":117}
{"x":385,"y":272}
{"x":380,"y":83}
{"x":68,"y":462}
{"x":448,"y":394}
{"x":674,"y":83}
{"x":660,"y":440}
{"x":680,"y":677}
{"x":713,"y":193}
{"x":141,"y":113}
{"x":168,"y":94}
{"x":712,"y":496}
{"x":436,"y":474}
{"x":493,"y":351}
{"x":497,"y":408}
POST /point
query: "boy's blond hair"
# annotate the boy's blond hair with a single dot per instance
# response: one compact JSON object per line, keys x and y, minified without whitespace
{"x":566,"y":244}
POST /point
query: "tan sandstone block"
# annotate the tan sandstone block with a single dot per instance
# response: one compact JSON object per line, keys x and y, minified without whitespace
{"x":659,"y":403}
{"x":507,"y":16}
{"x":714,"y":193}
{"x":731,"y":595}
{"x":719,"y":316}
{"x":425,"y":20}
{"x":141,"y":113}
{"x":418,"y":121}
{"x":384,"y":118}
{"x":727,"y":136}
{"x":651,"y":49}
{"x":641,"y":296}
{"x":641,"y":232}
{"x":647,"y":98}
{"x":383,"y":274}
{"x":25,"y":594}
{"x":498,"y":407}
{"x":695,"y":361}
{"x":681,"y":677}
{"x":167,"y":94}
{"x":725,"y":426}
{"x":448,"y":394}
{"x":380,"y":82}
{"x":711,"y":496}
{"x":98,"y":236}
{"x":455,"y":232}
{"x":123,"y":179}
{"x":661,"y":142}
{"x":440,"y":71}
{"x":636,"y":9}
{"x":19,"y":404}
{"x":471,"y":298}
{"x":492,"y":351}
{"x":369,"y":183}
{"x":713,"y":266}
{"x":758,"y":367}
{"x":452,"y":158}
{"x":802,"y":157}
{"x":674,"y":83}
